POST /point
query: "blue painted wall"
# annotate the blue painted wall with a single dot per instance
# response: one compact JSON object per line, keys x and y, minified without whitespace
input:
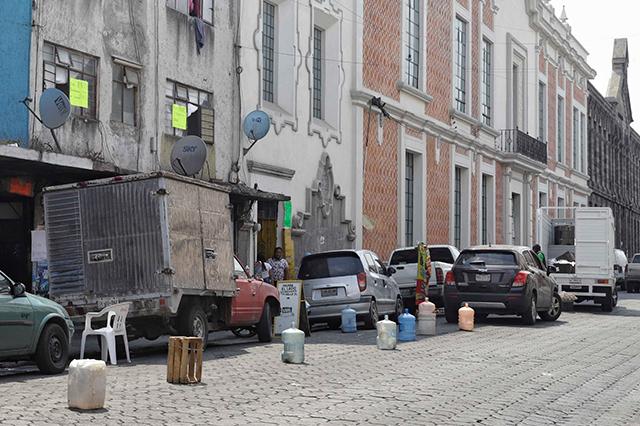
{"x":15,"y":44}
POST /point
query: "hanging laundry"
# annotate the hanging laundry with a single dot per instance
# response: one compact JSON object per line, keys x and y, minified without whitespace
{"x":199,"y":28}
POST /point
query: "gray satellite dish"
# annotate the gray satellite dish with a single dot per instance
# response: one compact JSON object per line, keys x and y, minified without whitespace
{"x":256,"y":125}
{"x":54,"y":108}
{"x":188,"y":155}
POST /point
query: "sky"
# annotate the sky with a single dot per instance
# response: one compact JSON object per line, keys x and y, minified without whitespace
{"x":596,"y":23}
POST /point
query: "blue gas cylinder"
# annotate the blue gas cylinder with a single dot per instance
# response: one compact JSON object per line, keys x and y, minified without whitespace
{"x":407,"y":324}
{"x":349,"y":320}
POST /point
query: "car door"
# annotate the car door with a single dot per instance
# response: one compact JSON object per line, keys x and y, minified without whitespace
{"x":245,"y":307}
{"x":374,"y":277}
{"x":542,"y":283}
{"x":16,"y":319}
{"x":388,"y":285}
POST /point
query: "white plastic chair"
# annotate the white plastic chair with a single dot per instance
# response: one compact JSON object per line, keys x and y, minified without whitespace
{"x":108,"y":334}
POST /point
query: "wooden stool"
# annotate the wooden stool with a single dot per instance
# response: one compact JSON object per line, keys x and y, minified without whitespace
{"x":184,"y":363}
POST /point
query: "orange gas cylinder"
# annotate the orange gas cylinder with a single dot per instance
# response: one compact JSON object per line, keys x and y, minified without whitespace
{"x":465,"y":318}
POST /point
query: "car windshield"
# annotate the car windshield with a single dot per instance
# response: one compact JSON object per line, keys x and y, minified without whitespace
{"x":402,"y":257}
{"x":5,"y":284}
{"x":330,"y":265}
{"x":636,"y":258}
{"x":494,"y":258}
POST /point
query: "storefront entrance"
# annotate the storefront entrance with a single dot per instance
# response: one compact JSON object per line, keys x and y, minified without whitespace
{"x":16,"y":217}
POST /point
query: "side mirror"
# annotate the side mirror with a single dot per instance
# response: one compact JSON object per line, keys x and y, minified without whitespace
{"x":18,"y":290}
{"x":391,"y":270}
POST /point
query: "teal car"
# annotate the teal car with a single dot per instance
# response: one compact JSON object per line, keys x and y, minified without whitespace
{"x":32,"y":327}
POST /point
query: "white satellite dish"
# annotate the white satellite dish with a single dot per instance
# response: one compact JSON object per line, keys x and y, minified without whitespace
{"x":54,"y":108}
{"x":256,"y":126}
{"x":188,"y":155}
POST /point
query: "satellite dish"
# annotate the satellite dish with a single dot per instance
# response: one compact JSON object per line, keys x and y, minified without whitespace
{"x":188,"y":155}
{"x":256,"y":125}
{"x":54,"y":108}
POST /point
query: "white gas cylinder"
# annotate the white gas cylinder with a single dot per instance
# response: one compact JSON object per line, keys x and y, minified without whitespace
{"x":293,"y":340}
{"x":426,"y":318}
{"x":87,"y":384}
{"x":387,"y":337}
{"x":465,"y":318}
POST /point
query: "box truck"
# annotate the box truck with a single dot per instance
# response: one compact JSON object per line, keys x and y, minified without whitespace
{"x":579,"y":244}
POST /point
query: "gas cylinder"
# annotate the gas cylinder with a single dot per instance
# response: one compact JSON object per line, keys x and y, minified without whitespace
{"x":386,"y":339}
{"x":426,"y":318}
{"x":407,"y":327}
{"x":293,"y":340}
{"x":349,"y":320}
{"x":465,"y":318}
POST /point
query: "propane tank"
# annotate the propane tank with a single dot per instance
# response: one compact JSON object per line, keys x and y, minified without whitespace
{"x":293,"y":340}
{"x":426,"y":318}
{"x":407,"y":327}
{"x":465,"y":318}
{"x":386,"y":339}
{"x":348,"y":317}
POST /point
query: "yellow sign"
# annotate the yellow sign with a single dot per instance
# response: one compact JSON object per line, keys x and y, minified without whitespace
{"x":179,"y":117}
{"x":79,"y":93}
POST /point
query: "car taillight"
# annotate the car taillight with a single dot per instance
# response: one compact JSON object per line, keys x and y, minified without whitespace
{"x":521,"y":279}
{"x":603,"y":281}
{"x":450,"y":278}
{"x":439,"y":276}
{"x":362,"y":281}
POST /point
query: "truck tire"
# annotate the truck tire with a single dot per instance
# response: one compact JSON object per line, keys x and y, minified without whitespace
{"x":194,"y":322}
{"x":451,"y":315}
{"x":607,"y":304}
{"x":530,"y":313}
{"x":52,"y":352}
{"x":554,"y":311}
{"x":264,"y":327}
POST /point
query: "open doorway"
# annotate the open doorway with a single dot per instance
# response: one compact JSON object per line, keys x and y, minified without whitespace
{"x":16,"y":216}
{"x":268,"y":235}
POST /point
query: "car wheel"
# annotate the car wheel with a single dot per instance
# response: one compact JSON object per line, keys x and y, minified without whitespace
{"x":615,"y":297}
{"x":398,"y":310}
{"x":195,"y":323}
{"x":244,"y":332}
{"x":607,"y":304}
{"x":451,"y":315}
{"x":52,"y":353}
{"x":265,"y":325}
{"x":372,"y":317}
{"x":554,"y":311}
{"x":334,"y":324}
{"x":531,"y":313}
{"x":480,"y":316}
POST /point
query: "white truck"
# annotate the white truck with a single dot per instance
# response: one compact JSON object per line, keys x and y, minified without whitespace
{"x":579,"y":244}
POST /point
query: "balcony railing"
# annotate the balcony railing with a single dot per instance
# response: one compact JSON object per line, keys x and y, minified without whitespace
{"x":517,"y":142}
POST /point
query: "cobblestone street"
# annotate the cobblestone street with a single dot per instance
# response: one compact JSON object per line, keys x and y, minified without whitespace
{"x":583,"y":369}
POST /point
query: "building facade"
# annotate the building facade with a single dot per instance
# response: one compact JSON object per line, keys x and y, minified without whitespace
{"x":614,"y":153}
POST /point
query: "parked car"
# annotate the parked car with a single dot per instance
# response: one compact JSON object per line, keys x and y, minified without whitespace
{"x":632,"y":276}
{"x":334,"y":280}
{"x":501,"y":280}
{"x":620,"y":268}
{"x":32,"y":327}
{"x":405,"y":261}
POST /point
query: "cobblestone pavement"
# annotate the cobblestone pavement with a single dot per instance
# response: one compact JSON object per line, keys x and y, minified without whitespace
{"x":584,"y":369}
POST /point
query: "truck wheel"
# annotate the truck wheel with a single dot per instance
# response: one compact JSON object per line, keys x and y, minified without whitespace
{"x":615,"y":297}
{"x":607,"y":304}
{"x":554,"y":311}
{"x":451,"y":315}
{"x":52,"y":353}
{"x":265,"y":325}
{"x":194,"y":323}
{"x":530,"y":314}
{"x":372,"y":317}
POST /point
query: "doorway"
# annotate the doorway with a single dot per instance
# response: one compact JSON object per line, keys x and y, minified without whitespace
{"x":268,"y":235}
{"x":16,"y":216}
{"x":516,"y":219}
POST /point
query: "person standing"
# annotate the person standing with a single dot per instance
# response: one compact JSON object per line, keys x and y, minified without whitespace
{"x":279,"y":265}
{"x":538,"y":251}
{"x":262,"y":269}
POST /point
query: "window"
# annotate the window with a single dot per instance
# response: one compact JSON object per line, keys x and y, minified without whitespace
{"x":238,"y":270}
{"x":62,"y":64}
{"x":560,"y":208}
{"x":443,"y":254}
{"x":409,"y":198}
{"x":200,"y":118}
{"x":560,"y":144}
{"x":493,"y":258}
{"x":542,"y":199}
{"x":413,"y":43}
{"x":331,"y":265}
{"x":5,"y":284}
{"x":516,"y":221}
{"x":460,"y":88}
{"x":542,"y":112}
{"x":576,"y":139}
{"x":124,"y":96}
{"x":457,"y":215}
{"x":202,"y":9}
{"x":487,"y":52}
{"x":484,"y":209}
{"x":583,"y":144}
{"x":402,"y":257}
{"x":268,"y":50}
{"x":317,"y":73}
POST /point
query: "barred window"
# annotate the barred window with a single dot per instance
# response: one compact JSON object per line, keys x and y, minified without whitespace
{"x":124,"y":95}
{"x":560,"y":126}
{"x":457,"y":215}
{"x":460,"y":87}
{"x":413,"y":43}
{"x":317,"y":72}
{"x":268,"y":50}
{"x":409,"y":198}
{"x":202,"y":9}
{"x":487,"y":52}
{"x":62,"y":64}
{"x":485,"y":187}
{"x":576,"y":139}
{"x":198,"y":104}
{"x":542,"y":112}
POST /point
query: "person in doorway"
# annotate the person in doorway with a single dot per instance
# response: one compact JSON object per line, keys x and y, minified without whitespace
{"x":279,"y":265}
{"x":538,"y":251}
{"x":262,"y":269}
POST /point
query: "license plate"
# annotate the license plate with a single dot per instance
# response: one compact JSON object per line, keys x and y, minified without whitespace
{"x":575,"y":287}
{"x":329,"y":292}
{"x":483,"y":278}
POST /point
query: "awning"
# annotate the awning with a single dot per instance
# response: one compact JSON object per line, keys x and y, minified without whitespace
{"x":242,"y":192}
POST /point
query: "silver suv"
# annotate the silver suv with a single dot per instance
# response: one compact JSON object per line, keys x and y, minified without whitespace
{"x":336,"y":279}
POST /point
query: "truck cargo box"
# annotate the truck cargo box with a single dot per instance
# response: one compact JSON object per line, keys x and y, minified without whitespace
{"x":138,"y":236}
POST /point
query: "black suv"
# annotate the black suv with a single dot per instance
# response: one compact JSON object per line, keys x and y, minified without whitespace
{"x":503,"y":280}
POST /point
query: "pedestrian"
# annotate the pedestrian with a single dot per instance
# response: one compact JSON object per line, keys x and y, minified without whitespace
{"x":538,"y":251}
{"x":279,"y":265}
{"x":262,"y":269}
